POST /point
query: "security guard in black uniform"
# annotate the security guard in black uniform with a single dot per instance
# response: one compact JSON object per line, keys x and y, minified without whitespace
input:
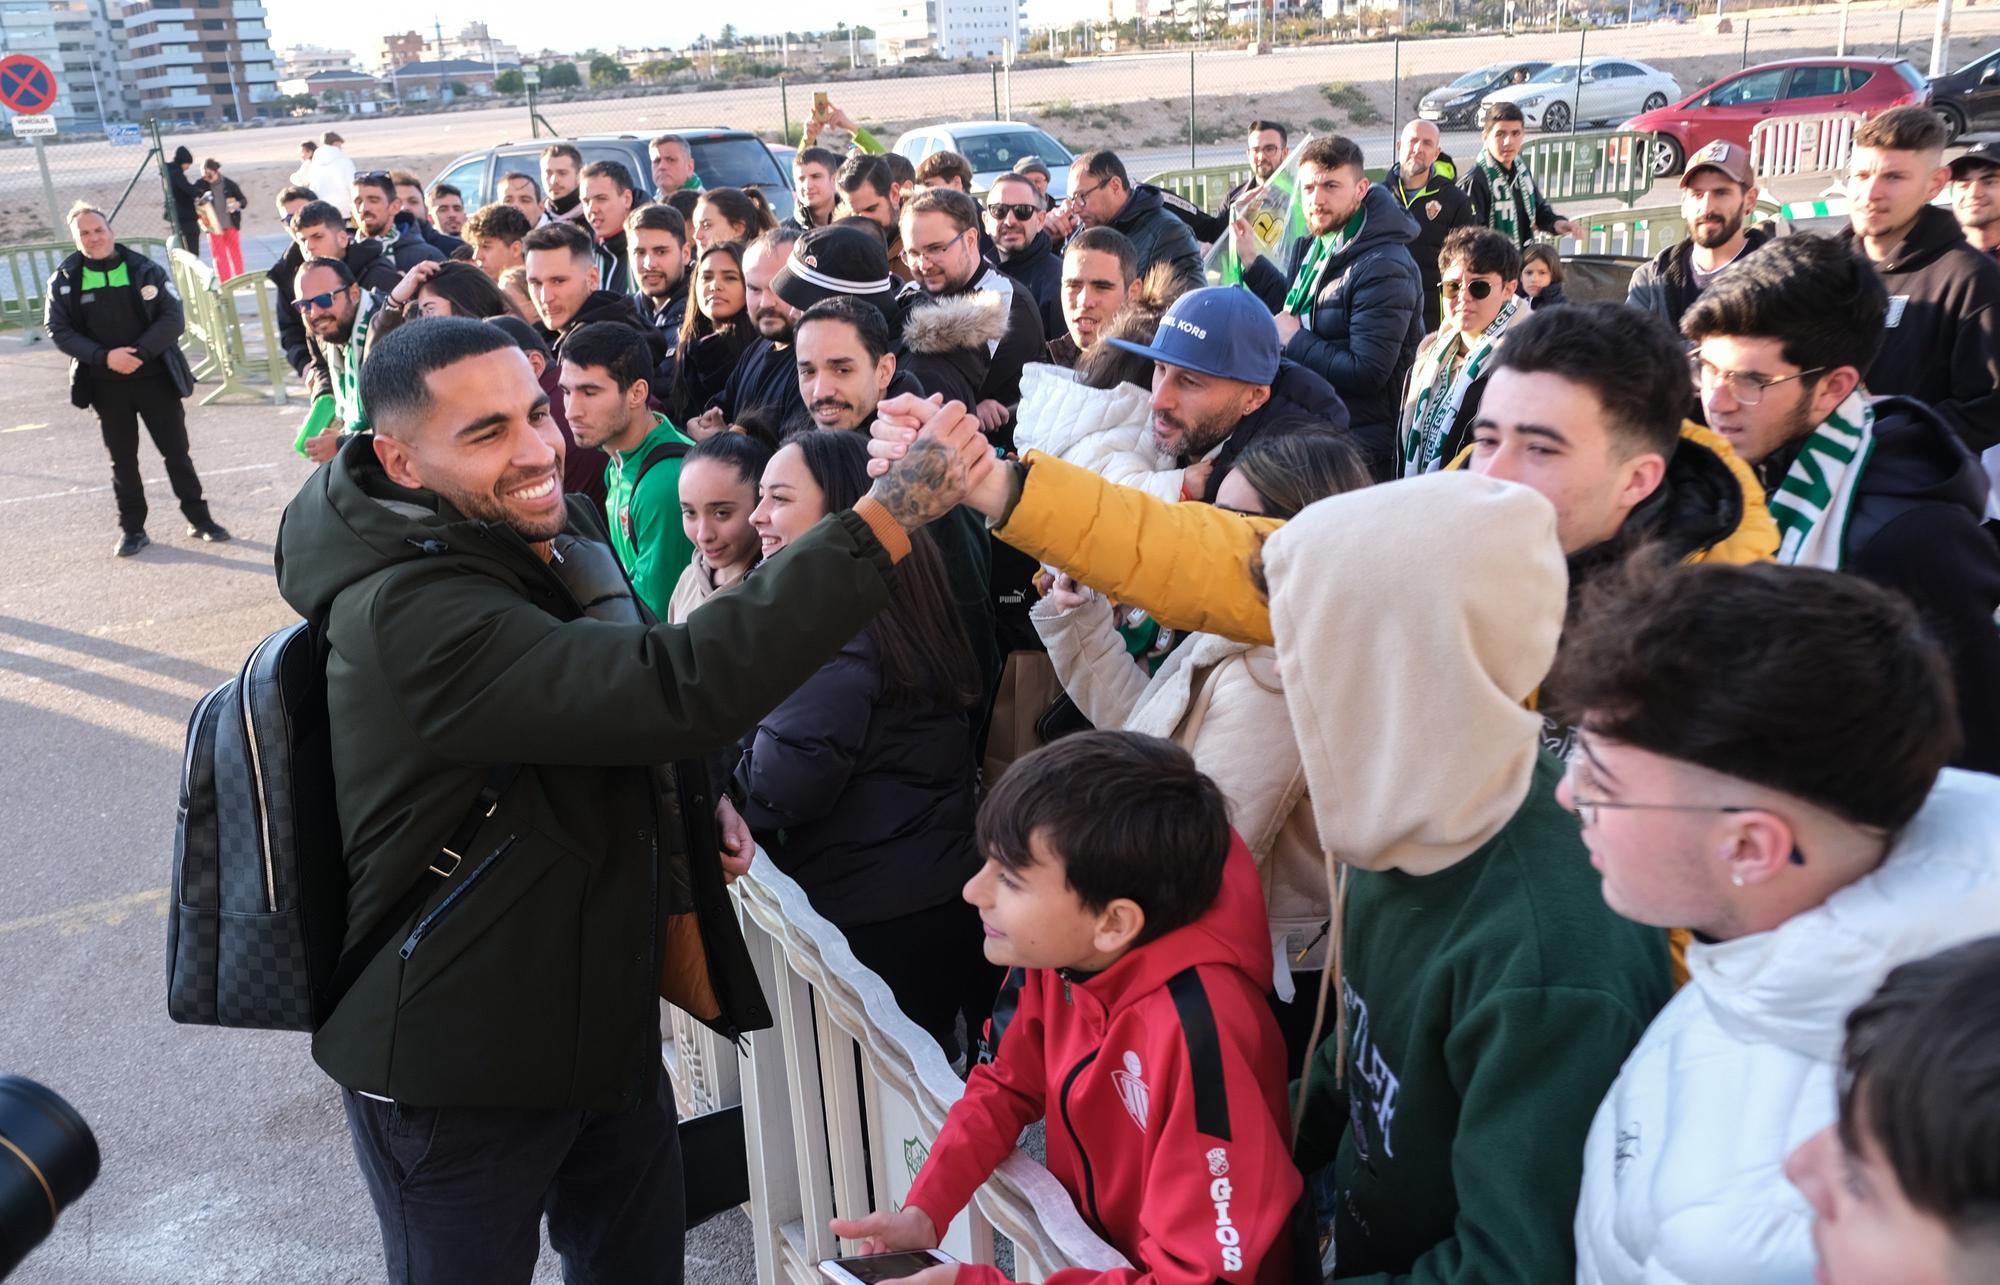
{"x":110,"y":309}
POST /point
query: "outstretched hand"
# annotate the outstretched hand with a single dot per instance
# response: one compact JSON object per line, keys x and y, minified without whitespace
{"x":937,"y":464}
{"x":906,"y":425}
{"x":885,"y":1231}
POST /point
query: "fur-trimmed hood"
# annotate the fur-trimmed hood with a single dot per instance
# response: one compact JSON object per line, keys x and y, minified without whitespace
{"x":939,"y":325}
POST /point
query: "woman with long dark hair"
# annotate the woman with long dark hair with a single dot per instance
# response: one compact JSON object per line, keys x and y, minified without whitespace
{"x":860,"y":785}
{"x":714,"y":331}
{"x":457,"y":289}
{"x":718,"y":493}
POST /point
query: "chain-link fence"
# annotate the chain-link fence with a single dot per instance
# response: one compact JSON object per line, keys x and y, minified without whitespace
{"x":41,"y":178}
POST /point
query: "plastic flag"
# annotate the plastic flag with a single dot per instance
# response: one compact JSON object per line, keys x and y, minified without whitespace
{"x":1277,"y":218}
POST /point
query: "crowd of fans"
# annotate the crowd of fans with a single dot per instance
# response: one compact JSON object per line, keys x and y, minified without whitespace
{"x":1551,"y":736}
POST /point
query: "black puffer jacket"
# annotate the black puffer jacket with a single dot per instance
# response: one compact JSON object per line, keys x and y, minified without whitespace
{"x":159,"y":343}
{"x":1915,"y":528}
{"x":868,"y":805}
{"x":1039,"y":268}
{"x":1367,"y":316}
{"x":1156,"y":233}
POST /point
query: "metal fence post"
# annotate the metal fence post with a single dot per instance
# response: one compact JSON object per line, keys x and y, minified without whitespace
{"x":534,"y":116}
{"x":1746,"y":42}
{"x":1899,"y":31}
{"x":1396,"y":89}
{"x":1840,"y":49}
{"x":1582,"y":39}
{"x":48,"y":187}
{"x":785,"y":114}
{"x":994,"y":67}
{"x":1194,"y":162}
{"x":166,"y":189}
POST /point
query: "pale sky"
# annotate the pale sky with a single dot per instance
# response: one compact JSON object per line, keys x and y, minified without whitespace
{"x":356,"y":24}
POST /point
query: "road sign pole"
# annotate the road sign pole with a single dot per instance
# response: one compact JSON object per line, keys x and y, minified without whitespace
{"x":48,"y":186}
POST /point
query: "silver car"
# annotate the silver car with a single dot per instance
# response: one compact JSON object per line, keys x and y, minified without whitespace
{"x":1610,"y":90}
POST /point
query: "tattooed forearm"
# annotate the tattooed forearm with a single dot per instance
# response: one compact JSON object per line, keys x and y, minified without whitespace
{"x":925,"y":484}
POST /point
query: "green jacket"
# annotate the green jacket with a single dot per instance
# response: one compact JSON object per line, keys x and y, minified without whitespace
{"x":1489,"y":1007}
{"x":455,"y":647}
{"x":646,"y":520}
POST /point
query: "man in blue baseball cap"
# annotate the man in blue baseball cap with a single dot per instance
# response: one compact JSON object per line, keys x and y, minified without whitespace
{"x":1218,"y":382}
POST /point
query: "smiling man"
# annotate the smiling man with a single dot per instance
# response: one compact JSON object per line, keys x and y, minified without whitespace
{"x":1975,"y":196}
{"x":1718,"y":195}
{"x":512,"y":1044}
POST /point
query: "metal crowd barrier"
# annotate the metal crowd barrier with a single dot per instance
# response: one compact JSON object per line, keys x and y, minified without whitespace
{"x":1643,"y":233}
{"x":29,"y":266}
{"x":1790,"y":145}
{"x":1615,"y":165}
{"x":215,"y":320}
{"x":842,"y":1101}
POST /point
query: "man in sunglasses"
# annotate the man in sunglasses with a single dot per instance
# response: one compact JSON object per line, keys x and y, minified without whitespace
{"x":1014,"y":222}
{"x":1761,"y":758}
{"x":283,"y":273}
{"x":1877,"y":486}
{"x":340,"y":314}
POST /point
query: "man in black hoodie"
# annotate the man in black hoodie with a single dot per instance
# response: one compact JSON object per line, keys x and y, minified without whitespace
{"x":562,"y":180}
{"x":562,"y":282}
{"x":656,"y":240}
{"x":608,"y":197}
{"x":1875,"y":486}
{"x":1424,"y":182}
{"x":1014,"y":221}
{"x":1942,"y":341}
{"x":380,"y":218}
{"x":1102,"y":195}
{"x":941,"y":238}
{"x":1353,"y":311}
{"x":184,"y":194}
{"x":1718,"y":193}
{"x":765,"y":383}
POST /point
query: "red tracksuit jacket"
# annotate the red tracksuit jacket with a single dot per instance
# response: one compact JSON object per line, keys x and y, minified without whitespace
{"x":1163,"y":1082}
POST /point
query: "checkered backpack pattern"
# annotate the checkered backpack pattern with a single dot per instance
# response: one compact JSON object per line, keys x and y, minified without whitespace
{"x":259,"y":902}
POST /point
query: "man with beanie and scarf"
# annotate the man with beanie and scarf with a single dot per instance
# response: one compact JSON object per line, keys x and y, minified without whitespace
{"x":184,"y":194}
{"x":1502,"y":188}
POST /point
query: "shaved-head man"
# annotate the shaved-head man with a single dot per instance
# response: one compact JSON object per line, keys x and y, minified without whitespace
{"x":1425,"y":181}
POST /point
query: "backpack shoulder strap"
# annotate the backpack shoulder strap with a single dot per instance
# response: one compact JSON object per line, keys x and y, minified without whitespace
{"x":449,"y":857}
{"x":660,"y":452}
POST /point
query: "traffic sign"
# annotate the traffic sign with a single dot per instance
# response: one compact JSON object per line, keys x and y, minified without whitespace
{"x":27,"y":86}
{"x":122,"y":134}
{"x":34,"y":126}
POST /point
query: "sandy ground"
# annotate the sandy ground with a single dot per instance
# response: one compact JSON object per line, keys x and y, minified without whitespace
{"x":1137,"y":104}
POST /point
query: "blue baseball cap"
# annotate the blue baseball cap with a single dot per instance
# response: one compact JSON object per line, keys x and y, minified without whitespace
{"x":1224,"y":331}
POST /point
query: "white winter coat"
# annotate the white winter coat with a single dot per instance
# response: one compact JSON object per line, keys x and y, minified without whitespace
{"x":332,"y":175}
{"x":1106,"y":430}
{"x":1683,"y":1173}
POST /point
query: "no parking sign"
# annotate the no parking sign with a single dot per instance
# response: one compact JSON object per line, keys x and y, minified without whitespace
{"x":27,"y":86}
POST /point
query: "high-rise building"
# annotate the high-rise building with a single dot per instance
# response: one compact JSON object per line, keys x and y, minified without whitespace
{"x":949,"y":29}
{"x":205,"y":61}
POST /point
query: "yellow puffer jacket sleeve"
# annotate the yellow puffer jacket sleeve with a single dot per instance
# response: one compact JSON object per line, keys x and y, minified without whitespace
{"x":1755,"y":538}
{"x":1188,"y":565}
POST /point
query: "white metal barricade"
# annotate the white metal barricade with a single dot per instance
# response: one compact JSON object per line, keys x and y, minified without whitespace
{"x":1784,"y":146}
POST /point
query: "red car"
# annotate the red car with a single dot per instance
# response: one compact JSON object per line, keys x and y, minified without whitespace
{"x":1732,"y":107}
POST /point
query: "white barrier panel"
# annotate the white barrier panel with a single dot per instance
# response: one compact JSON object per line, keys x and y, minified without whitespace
{"x":1789,"y":145}
{"x":845,"y":1093}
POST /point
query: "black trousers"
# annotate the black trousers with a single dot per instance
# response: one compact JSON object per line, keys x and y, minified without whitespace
{"x":935,"y":964}
{"x":121,"y":403}
{"x":460,"y":1192}
{"x":190,"y":231}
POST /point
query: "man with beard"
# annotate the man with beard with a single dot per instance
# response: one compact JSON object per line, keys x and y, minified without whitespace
{"x":1353,"y":312}
{"x":583,"y":467}
{"x":1975,"y":196}
{"x":1100,"y":269}
{"x":1941,"y":343}
{"x":562,"y":284}
{"x":941,"y":229}
{"x":1718,"y":193}
{"x":607,"y":201}
{"x":562,"y":183}
{"x":1101,"y":194}
{"x":1265,"y":150}
{"x":868,"y":189}
{"x":656,"y":236}
{"x":1502,"y":188}
{"x":1219,"y":382}
{"x":812,"y":182}
{"x":413,"y":212}
{"x":1424,"y":182}
{"x":606,"y":380}
{"x":485,"y":644}
{"x":375,"y":211}
{"x":448,"y":212}
{"x":1876,"y":486}
{"x":1014,"y":222}
{"x":765,"y":383}
{"x":339,"y":314}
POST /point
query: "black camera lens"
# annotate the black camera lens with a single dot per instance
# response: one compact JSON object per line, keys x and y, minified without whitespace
{"x":47,"y":1159}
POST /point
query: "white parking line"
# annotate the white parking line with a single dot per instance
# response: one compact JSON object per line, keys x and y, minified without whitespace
{"x":151,"y":481}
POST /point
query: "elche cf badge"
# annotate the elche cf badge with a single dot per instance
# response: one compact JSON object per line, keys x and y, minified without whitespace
{"x":1431,"y":210}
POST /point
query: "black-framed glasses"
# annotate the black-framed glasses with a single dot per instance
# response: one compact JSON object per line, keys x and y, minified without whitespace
{"x":1744,"y":388}
{"x":1083,"y":194}
{"x":1020,"y":213}
{"x":321,"y":302}
{"x":1476,"y":288}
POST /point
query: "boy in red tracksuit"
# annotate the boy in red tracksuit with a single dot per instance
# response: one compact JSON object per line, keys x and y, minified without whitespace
{"x":1133,"y":1019}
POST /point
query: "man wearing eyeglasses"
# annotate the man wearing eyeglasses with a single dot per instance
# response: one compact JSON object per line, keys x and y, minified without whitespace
{"x":1761,"y":759}
{"x":1014,"y":222}
{"x":953,"y":287}
{"x":1718,"y":195}
{"x":1265,"y":150}
{"x":1101,"y":194}
{"x":1877,"y":486}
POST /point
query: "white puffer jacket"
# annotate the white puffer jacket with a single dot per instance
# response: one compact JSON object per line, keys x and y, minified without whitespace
{"x":1106,"y":430}
{"x":1683,"y":1173}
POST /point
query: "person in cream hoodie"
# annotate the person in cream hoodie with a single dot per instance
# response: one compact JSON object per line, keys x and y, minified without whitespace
{"x":1782,"y":791}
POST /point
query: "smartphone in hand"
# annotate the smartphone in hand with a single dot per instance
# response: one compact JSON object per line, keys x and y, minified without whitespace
{"x":870,"y":1269}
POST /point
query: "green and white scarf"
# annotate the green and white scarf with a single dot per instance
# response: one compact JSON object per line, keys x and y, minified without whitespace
{"x":1514,"y":197}
{"x":1812,"y":505}
{"x":1446,"y":369}
{"x":1298,"y":301}
{"x":343,"y":362}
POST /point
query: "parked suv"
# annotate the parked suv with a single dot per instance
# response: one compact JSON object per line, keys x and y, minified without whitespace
{"x":722,"y":157}
{"x":1729,"y":109}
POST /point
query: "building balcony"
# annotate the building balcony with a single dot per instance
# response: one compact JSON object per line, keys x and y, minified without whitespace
{"x":168,"y":35}
{"x":252,"y":31}
{"x":137,"y":15}
{"x":165,"y":59}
